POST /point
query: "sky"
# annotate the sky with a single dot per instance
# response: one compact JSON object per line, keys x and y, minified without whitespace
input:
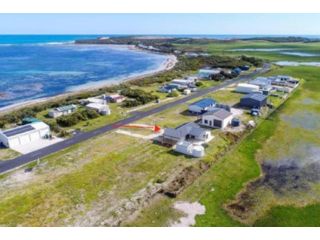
{"x":215,"y":23}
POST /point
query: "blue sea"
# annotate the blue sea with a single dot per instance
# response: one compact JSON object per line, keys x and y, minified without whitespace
{"x":33,"y":67}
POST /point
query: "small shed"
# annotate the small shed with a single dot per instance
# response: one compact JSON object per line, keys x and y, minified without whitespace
{"x":190,"y":149}
{"x":253,"y":100}
{"x":202,"y":105}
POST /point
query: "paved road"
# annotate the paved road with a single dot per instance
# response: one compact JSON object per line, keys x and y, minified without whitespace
{"x":82,"y":136}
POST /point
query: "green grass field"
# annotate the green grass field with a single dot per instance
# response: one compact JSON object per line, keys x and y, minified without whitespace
{"x":274,"y":138}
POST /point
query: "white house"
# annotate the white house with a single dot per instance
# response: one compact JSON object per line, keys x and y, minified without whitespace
{"x":247,"y":88}
{"x":103,"y":109}
{"x":24,"y":134}
{"x":61,"y":111}
{"x":217,"y":118}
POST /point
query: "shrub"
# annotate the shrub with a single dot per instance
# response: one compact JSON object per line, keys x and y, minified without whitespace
{"x":2,"y":124}
{"x":89,"y":114}
{"x":131,"y":103}
{"x":173,"y":94}
{"x":199,"y":84}
{"x":139,"y":95}
{"x":70,"y":120}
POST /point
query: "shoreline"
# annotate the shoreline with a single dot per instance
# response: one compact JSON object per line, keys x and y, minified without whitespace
{"x":166,"y":65}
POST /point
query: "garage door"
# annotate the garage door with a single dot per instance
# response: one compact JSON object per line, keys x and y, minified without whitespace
{"x":14,"y":142}
{"x":217,"y":123}
{"x":24,"y":139}
{"x":34,"y":136}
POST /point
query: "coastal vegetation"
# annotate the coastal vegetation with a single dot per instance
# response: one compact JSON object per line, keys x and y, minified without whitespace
{"x":74,"y":118}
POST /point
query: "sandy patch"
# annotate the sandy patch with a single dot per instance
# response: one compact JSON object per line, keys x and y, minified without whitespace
{"x":147,"y":137}
{"x":191,"y":210}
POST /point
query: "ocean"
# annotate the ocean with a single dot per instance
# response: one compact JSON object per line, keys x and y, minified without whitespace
{"x":33,"y":67}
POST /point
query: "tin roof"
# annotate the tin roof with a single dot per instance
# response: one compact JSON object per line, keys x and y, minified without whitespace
{"x":205,"y":102}
{"x":255,"y":96}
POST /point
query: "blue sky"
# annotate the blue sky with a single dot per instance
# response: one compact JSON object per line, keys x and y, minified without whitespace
{"x":294,"y":24}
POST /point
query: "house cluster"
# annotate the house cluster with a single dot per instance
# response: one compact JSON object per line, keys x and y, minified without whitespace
{"x":187,"y":85}
{"x":100,"y":103}
{"x":212,"y":73}
{"x":189,"y":138}
{"x":266,"y":85}
{"x":258,"y":90}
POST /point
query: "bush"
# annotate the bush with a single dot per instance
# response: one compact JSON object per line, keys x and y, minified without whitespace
{"x":257,"y":62}
{"x":53,"y":126}
{"x":140,"y":97}
{"x":173,"y":94}
{"x":131,"y":103}
{"x":2,"y":124}
{"x":63,"y":133}
{"x":89,"y":114}
{"x":70,"y":120}
{"x":199,"y":84}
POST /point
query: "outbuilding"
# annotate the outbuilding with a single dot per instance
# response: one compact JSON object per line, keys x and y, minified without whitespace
{"x":253,"y":100}
{"x":217,"y":118}
{"x":202,"y":105}
{"x":24,"y":134}
{"x":190,"y":149}
{"x":246,"y":88}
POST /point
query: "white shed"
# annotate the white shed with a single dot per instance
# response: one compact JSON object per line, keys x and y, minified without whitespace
{"x":190,"y":149}
{"x":247,"y":88}
{"x":217,"y":118}
{"x":24,"y":134}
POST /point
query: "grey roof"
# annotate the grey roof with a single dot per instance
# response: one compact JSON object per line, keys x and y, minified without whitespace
{"x":219,"y":113}
{"x":184,"y":129}
{"x":18,"y":130}
{"x":261,"y":81}
{"x":173,"y":133}
{"x":255,"y":96}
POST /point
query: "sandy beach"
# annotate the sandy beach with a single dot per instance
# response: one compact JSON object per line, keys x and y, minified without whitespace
{"x":166,"y":65}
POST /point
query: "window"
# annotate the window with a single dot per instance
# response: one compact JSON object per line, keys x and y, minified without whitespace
{"x":206,"y":121}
